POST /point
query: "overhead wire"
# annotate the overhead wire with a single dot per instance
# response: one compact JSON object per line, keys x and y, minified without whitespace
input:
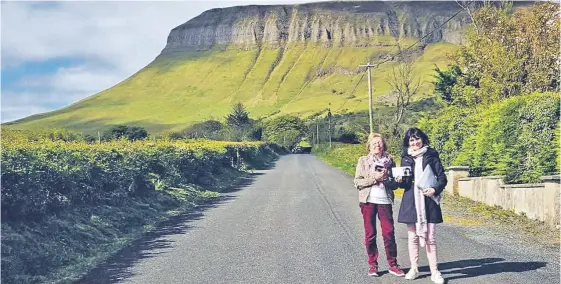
{"x":400,"y":53}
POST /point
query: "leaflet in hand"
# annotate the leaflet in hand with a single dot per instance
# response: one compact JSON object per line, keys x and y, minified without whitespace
{"x":401,"y":171}
{"x":428,"y":180}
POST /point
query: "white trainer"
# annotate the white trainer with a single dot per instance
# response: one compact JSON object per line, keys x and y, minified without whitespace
{"x":436,"y":277}
{"x":412,"y":274}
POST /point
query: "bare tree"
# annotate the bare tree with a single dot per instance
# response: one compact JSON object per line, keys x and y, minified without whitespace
{"x":470,"y":6}
{"x":405,"y":85}
{"x":466,"y":6}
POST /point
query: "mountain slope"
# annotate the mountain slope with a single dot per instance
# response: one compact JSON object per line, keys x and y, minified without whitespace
{"x":275,"y":59}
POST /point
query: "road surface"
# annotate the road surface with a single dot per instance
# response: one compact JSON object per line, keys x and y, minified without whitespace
{"x":299,"y":222}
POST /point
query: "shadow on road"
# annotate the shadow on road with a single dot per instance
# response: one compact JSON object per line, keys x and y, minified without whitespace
{"x":478,"y":267}
{"x":117,"y":267}
{"x":242,"y":182}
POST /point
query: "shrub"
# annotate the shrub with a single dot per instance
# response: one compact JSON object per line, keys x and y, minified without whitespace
{"x":43,"y":178}
{"x":515,"y":138}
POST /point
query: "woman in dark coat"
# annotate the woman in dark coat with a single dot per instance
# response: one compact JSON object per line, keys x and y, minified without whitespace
{"x":420,"y":207}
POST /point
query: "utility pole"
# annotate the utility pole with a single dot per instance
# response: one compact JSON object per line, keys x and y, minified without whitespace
{"x":368,"y":66}
{"x":317,"y":130}
{"x":313,"y":137}
{"x":329,"y":121}
{"x":98,"y":137}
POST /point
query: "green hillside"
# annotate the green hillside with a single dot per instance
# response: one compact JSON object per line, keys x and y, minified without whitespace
{"x":178,"y":89}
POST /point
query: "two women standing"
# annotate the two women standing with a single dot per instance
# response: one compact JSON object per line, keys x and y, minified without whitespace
{"x":420,"y":208}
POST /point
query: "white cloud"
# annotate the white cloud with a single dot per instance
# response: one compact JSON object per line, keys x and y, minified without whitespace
{"x":10,"y":113}
{"x":83,"y":79}
{"x":65,"y":86}
{"x":125,"y":35}
{"x":22,"y":104}
{"x":111,"y":40}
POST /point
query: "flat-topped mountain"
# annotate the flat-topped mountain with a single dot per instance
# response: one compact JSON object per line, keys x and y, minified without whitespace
{"x":277,"y":59}
{"x":336,"y":23}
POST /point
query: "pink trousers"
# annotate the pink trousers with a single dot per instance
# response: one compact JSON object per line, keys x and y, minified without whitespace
{"x":413,"y":244}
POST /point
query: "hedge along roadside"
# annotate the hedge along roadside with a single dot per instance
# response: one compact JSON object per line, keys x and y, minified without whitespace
{"x":517,"y":137}
{"x":69,"y":206}
{"x":48,"y":176}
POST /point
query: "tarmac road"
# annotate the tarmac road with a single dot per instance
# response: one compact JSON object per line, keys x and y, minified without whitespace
{"x":299,"y":222}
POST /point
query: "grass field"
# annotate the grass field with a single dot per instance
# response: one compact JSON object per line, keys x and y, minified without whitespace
{"x":176,"y":90}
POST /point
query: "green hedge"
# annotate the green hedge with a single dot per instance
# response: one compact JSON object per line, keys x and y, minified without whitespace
{"x":515,"y":138}
{"x":46,"y":177}
{"x":68,"y":206}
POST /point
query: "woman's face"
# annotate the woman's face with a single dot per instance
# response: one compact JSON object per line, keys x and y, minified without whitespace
{"x":376,"y":145}
{"x":415,"y":143}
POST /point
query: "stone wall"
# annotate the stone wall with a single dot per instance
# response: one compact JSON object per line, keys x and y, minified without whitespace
{"x":539,"y":201}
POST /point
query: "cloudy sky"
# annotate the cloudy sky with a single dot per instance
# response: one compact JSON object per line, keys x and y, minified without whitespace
{"x":56,"y":53}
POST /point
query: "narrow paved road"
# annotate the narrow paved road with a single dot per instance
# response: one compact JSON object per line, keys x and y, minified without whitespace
{"x":299,"y":222}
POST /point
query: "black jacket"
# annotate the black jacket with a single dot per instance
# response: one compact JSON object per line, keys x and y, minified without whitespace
{"x":407,"y":212}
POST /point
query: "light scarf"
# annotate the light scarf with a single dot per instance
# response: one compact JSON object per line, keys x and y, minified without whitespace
{"x":421,"y":225}
{"x":417,"y":153}
{"x":384,"y":161}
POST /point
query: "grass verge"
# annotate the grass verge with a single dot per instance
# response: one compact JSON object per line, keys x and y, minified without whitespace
{"x":464,"y":211}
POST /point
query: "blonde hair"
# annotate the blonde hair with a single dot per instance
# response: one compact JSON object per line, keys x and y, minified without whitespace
{"x":376,"y":135}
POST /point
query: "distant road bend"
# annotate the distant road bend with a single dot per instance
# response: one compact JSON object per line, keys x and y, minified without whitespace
{"x":299,"y":222}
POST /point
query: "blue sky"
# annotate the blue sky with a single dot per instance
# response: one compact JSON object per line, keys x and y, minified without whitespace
{"x":56,"y":53}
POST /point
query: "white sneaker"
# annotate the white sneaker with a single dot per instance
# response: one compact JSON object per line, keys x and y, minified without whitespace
{"x":436,"y":277}
{"x":412,"y":274}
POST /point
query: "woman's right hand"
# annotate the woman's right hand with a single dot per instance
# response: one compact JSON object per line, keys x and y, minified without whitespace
{"x":398,"y":179}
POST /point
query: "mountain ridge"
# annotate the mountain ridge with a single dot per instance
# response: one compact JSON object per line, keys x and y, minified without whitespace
{"x":336,"y":23}
{"x":187,"y":82}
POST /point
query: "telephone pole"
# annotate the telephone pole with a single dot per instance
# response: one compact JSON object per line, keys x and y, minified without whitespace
{"x":368,"y":66}
{"x":317,"y":130}
{"x":313,"y":138}
{"x":329,"y":122}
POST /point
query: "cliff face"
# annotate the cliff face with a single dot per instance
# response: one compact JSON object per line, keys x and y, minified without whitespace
{"x":336,"y":23}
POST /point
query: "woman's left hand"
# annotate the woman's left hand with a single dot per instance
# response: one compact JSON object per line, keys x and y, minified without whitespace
{"x":429,"y":191}
{"x":380,"y":176}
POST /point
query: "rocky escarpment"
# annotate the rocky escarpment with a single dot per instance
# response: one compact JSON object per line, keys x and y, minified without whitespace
{"x":339,"y":23}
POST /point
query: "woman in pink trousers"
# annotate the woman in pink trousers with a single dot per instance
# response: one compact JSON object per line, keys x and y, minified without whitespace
{"x":420,"y":207}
